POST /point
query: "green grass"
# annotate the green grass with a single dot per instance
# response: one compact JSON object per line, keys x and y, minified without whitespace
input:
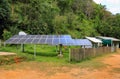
{"x":48,"y":54}
{"x":44,"y":53}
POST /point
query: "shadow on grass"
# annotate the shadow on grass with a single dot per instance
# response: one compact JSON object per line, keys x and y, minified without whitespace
{"x":42,"y":54}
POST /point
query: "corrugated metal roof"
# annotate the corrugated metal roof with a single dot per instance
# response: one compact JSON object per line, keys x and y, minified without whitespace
{"x":95,"y":40}
{"x":108,"y":38}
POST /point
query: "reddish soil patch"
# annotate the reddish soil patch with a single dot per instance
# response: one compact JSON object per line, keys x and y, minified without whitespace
{"x":65,"y":72}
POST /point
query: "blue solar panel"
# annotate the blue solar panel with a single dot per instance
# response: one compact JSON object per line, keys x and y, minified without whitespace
{"x":49,"y":41}
{"x":21,"y":36}
{"x":22,"y":41}
{"x":27,"y":36}
{"x":67,"y":36}
{"x":62,"y":41}
{"x":50,"y":36}
{"x":55,"y":36}
{"x":28,"y":41}
{"x":70,"y":41}
{"x":55,"y":41}
{"x":18,"y":36}
{"x":35,"y":41}
{"x":44,"y":36}
{"x":32,"y":36}
{"x":61,"y":36}
{"x":15,"y":36}
{"x":38,"y":36}
{"x":9,"y":40}
{"x":82,"y":42}
{"x":15,"y":40}
{"x":40,"y":39}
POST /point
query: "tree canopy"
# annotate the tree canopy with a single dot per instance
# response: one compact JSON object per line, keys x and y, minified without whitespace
{"x":4,"y":15}
{"x":78,"y":18}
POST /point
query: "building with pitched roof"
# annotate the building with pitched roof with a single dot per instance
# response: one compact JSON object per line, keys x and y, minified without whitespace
{"x":95,"y":42}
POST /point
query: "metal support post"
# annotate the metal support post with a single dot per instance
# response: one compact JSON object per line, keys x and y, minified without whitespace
{"x":34,"y":50}
{"x":16,"y":48}
{"x":22,"y":47}
{"x":60,"y":51}
{"x":57,"y":49}
{"x":4,"y":44}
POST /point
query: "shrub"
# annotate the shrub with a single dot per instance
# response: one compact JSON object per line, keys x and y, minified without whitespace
{"x":6,"y":34}
{"x":7,"y":60}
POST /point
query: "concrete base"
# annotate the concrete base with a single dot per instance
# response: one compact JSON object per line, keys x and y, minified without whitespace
{"x":60,"y":55}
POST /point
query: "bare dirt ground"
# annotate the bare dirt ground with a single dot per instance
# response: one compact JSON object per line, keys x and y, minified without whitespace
{"x":46,"y":71}
{"x":6,"y":53}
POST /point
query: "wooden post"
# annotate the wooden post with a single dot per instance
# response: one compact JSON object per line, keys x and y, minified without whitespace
{"x":0,"y":43}
{"x":69,"y":54}
{"x":117,"y":47}
{"x":112,"y":50}
{"x":94,"y":52}
{"x":84,"y":52}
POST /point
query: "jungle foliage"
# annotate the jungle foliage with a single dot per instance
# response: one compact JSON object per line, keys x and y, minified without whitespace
{"x":78,"y":18}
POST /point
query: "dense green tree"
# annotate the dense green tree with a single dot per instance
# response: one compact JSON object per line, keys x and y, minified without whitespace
{"x":64,"y":5}
{"x":40,"y":15}
{"x":4,"y":15}
{"x":60,"y":24}
{"x":78,"y":18}
{"x":114,"y":22}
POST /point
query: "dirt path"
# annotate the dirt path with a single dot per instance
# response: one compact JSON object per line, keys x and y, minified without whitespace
{"x":112,"y":71}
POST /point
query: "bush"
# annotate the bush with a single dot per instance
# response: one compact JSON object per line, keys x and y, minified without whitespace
{"x":6,"y":34}
{"x":7,"y":60}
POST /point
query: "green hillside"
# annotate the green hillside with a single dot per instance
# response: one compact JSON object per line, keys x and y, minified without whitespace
{"x":78,"y":18}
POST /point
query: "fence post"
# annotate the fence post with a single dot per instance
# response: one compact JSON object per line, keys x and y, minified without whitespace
{"x":0,"y":43}
{"x":69,"y":54}
{"x":84,"y":53}
{"x":94,"y":51}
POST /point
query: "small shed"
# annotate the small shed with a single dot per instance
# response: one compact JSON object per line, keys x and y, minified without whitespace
{"x":95,"y":42}
{"x":110,"y":41}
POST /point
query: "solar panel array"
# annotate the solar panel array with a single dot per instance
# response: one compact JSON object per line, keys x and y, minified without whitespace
{"x":82,"y":42}
{"x":48,"y":39}
{"x":40,"y":39}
